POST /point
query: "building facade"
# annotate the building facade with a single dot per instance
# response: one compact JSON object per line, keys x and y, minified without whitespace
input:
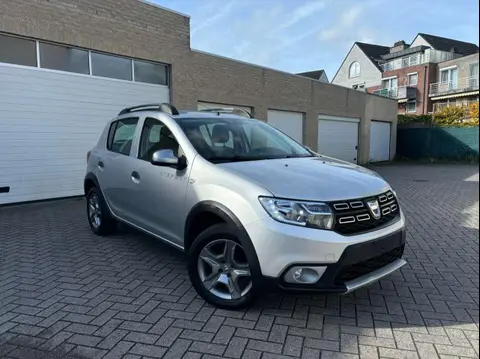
{"x":457,"y":83}
{"x":405,"y":72}
{"x":67,"y":67}
{"x":360,"y":68}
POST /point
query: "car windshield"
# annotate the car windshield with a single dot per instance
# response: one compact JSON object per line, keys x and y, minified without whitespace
{"x":233,"y":140}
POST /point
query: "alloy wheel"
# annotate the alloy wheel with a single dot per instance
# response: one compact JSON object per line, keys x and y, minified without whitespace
{"x":224,"y":270}
{"x":94,"y":211}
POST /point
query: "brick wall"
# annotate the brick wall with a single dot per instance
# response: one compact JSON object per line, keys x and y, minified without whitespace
{"x":137,"y":29}
{"x":426,"y":75}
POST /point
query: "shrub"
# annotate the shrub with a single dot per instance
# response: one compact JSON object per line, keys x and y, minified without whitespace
{"x":473,"y":111}
{"x":426,"y":119}
{"x":457,"y":116}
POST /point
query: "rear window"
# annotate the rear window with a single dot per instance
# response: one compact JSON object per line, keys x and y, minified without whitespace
{"x":121,"y":135}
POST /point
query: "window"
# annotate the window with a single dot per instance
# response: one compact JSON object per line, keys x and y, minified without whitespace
{"x":111,"y":66}
{"x":413,"y":79}
{"x":155,"y":137}
{"x":411,"y":106}
{"x":14,"y":50}
{"x":121,"y":136}
{"x":449,"y":79}
{"x":354,"y":70}
{"x":150,"y":73}
{"x":474,"y":70}
{"x":63,"y":58}
{"x":473,"y":80}
{"x":390,"y":83}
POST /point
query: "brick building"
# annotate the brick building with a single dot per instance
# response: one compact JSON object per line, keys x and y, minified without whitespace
{"x":67,"y":66}
{"x":406,"y":72}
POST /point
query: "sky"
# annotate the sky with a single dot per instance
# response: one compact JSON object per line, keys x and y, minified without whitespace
{"x":304,"y":35}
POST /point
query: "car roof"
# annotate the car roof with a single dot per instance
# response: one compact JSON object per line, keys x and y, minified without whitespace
{"x":170,"y":111}
{"x":198,"y":114}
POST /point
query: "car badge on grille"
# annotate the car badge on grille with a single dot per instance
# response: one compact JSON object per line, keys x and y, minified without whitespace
{"x":374,"y":208}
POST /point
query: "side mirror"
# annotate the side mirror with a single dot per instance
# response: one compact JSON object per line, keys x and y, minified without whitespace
{"x":166,"y":158}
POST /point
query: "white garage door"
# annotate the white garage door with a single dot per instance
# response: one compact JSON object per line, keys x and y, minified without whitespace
{"x":290,"y":123}
{"x":379,"y":141}
{"x":48,"y":122}
{"x":338,"y":137}
{"x":206,"y":105}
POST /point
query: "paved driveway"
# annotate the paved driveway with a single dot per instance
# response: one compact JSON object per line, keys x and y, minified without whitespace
{"x":67,"y":293}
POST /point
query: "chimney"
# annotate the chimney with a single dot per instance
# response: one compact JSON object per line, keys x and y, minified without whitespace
{"x":398,"y":46}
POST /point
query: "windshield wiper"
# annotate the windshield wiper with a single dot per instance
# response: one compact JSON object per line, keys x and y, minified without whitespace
{"x":233,"y":158}
{"x":296,"y":156}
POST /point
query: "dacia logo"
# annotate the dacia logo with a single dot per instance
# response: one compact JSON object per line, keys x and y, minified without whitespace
{"x":374,"y":208}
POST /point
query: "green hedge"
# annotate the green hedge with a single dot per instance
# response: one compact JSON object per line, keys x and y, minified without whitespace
{"x":426,"y":119}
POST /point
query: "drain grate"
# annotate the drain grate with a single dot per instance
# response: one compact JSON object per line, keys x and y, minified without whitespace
{"x":420,"y":180}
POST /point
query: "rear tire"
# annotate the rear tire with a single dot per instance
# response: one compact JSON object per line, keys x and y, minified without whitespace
{"x":99,"y":217}
{"x":221,"y":271}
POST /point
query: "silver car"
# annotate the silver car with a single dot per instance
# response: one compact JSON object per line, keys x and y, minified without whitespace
{"x":250,"y":206}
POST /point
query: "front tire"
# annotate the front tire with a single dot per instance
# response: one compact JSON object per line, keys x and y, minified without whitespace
{"x":220,"y":269}
{"x":99,"y":218}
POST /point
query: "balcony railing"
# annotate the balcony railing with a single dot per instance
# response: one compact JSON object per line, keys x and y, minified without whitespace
{"x":429,"y":55}
{"x":401,"y":63}
{"x":463,"y":84}
{"x":399,"y":93}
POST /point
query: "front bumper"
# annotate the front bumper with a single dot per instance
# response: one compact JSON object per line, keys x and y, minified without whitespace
{"x":349,"y":262}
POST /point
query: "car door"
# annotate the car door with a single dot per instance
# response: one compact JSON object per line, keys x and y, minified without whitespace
{"x":114,"y":163}
{"x":159,"y":192}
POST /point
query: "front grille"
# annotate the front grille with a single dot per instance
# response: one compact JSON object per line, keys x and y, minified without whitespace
{"x":356,"y":270}
{"x":355,"y":216}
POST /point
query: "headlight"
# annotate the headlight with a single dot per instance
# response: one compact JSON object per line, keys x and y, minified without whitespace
{"x":307,"y":214}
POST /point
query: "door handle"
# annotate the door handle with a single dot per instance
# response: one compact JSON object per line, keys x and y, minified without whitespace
{"x":135,"y":177}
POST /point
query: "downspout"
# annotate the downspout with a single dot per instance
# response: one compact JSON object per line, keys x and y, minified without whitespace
{"x":425,"y":94}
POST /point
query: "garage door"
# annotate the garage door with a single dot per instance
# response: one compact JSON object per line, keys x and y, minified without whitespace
{"x":48,"y":122}
{"x":206,"y":105}
{"x":288,"y":122}
{"x":338,"y":137}
{"x":379,"y":141}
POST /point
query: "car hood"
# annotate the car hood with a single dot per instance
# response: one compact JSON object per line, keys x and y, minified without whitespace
{"x":313,"y":178}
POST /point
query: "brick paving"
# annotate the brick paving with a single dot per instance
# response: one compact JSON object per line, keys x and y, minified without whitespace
{"x":65,"y":293}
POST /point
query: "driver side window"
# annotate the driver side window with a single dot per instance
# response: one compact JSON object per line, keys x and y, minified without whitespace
{"x":155,"y":137}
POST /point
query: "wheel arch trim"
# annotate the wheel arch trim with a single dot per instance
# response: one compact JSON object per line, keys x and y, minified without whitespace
{"x":228,"y":217}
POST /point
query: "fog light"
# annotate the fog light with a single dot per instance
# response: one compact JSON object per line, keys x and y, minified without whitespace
{"x":298,"y":273}
{"x":304,"y":275}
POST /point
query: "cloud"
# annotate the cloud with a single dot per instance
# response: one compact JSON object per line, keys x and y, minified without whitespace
{"x":328,"y":34}
{"x":308,"y":9}
{"x":347,"y":21}
{"x":222,"y":12}
{"x":351,"y":15}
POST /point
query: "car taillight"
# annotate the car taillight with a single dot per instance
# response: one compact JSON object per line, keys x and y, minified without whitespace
{"x":88,"y":155}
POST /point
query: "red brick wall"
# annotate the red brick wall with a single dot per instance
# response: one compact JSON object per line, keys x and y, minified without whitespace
{"x":426,"y":75}
{"x":374,"y":88}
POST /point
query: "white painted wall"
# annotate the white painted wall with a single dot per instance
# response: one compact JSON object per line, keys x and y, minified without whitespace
{"x":420,"y":41}
{"x":338,"y":137}
{"x":290,"y":123}
{"x":370,"y":74}
{"x":48,"y":122}
{"x":380,"y":133}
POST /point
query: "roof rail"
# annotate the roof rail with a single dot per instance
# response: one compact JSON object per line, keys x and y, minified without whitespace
{"x":232,"y":110}
{"x":163,"y":107}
